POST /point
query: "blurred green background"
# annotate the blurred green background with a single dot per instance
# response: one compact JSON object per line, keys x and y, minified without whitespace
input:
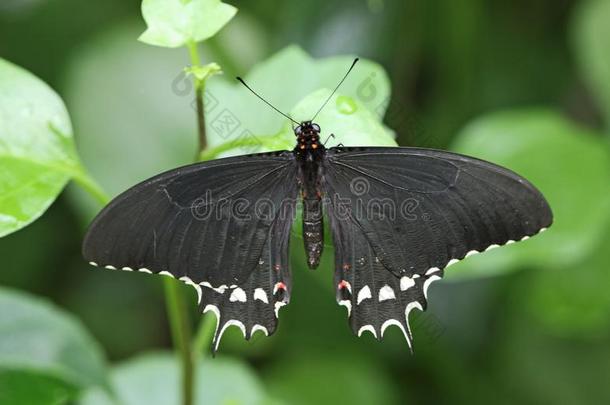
{"x":525,"y":84}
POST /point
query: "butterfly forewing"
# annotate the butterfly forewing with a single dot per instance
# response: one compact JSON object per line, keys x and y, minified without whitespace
{"x":207,"y":224}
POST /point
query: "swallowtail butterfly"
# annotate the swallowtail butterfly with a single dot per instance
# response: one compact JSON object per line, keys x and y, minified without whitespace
{"x":398,"y":217}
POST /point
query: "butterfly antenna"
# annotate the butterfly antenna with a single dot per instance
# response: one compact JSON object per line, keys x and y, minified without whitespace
{"x":336,"y":88}
{"x":265,"y":101}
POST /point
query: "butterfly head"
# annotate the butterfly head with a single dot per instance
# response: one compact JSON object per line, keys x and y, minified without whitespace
{"x":308,"y":135}
{"x":307,"y":129}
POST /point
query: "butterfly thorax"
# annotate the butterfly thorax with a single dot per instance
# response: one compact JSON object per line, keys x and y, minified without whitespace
{"x":309,"y":152}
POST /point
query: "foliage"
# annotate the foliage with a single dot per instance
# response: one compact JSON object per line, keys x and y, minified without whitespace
{"x":528,"y":322}
{"x":573,"y":173}
{"x":154,"y":379}
{"x":44,"y":348}
{"x":174,"y":23}
{"x":37,"y":153}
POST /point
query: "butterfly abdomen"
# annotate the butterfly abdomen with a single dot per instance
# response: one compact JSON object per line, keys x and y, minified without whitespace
{"x":309,"y":180}
{"x":313,"y":230}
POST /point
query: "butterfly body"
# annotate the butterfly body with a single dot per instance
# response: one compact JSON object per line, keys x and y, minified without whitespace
{"x":309,"y":153}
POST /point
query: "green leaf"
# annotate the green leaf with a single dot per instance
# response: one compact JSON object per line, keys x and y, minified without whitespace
{"x":345,"y":117}
{"x":155,"y":379}
{"x":570,"y":166}
{"x":174,"y":23}
{"x":27,"y":387}
{"x":352,"y":123}
{"x":42,"y":347}
{"x":574,"y":303}
{"x":591,"y":31}
{"x":37,"y":154}
{"x":286,"y":79}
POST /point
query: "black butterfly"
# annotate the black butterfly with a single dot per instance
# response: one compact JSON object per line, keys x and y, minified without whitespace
{"x":398,"y":216}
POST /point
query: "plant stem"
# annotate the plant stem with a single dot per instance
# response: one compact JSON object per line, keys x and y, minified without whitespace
{"x":181,"y":336}
{"x":199,"y":92}
{"x":83,"y":179}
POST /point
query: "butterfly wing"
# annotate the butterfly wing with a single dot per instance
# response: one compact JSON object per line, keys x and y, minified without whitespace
{"x":399,"y":216}
{"x":213,"y":225}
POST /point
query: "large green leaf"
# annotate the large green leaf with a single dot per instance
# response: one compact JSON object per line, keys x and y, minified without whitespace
{"x":591,"y":31}
{"x":173,"y":23}
{"x":42,"y":347}
{"x":571,"y":167}
{"x":37,"y":155}
{"x":345,"y":117}
{"x":285,"y":79}
{"x":154,"y":379}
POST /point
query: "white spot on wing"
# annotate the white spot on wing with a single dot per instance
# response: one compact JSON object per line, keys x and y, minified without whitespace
{"x":369,"y":328}
{"x":260,"y":294}
{"x":492,"y":247}
{"x":109,"y":267}
{"x":238,"y":295}
{"x":187,"y":280}
{"x":471,"y":253}
{"x":127,"y":269}
{"x":386,"y":293}
{"x":406,"y":283}
{"x":347,"y":304}
{"x":216,"y":312}
{"x":258,"y":327}
{"x":224,"y":328}
{"x":389,"y":322}
{"x":220,"y":289}
{"x":432,"y":270}
{"x":411,"y":306}
{"x":93,"y":264}
{"x":525,"y":238}
{"x":364,"y":293}
{"x":452,"y":261}
{"x":166,"y":273}
{"x":145,"y":270}
{"x":427,"y":284}
{"x":277,"y":306}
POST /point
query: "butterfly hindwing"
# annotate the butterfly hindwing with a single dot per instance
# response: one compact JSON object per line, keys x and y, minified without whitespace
{"x":374,"y":297}
{"x":254,"y":304}
{"x":206,"y":224}
{"x":399,"y":216}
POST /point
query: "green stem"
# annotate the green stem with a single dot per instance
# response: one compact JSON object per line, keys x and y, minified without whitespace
{"x":199,"y":92}
{"x":83,"y":179}
{"x":181,"y":336}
